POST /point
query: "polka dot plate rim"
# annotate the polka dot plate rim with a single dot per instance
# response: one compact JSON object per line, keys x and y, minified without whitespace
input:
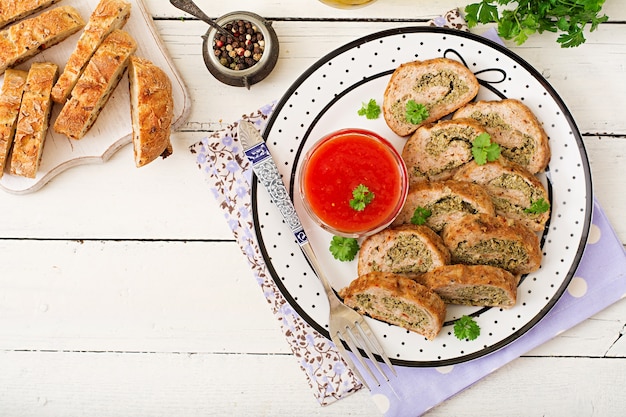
{"x":326,"y":97}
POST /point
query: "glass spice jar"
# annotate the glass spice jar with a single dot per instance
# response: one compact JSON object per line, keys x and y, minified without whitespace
{"x":246,"y":57}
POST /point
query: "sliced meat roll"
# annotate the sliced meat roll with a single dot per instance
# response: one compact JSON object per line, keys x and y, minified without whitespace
{"x":397,"y":300}
{"x":515,"y":128}
{"x":512,"y":188}
{"x":408,"y":249}
{"x":446,"y":201}
{"x":435,"y":151}
{"x":481,"y":239}
{"x":472,"y":285}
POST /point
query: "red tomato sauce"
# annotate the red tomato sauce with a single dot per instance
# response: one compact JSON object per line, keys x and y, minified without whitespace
{"x":342,"y":162}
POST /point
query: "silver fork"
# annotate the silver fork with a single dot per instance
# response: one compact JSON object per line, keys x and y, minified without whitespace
{"x":344,"y":323}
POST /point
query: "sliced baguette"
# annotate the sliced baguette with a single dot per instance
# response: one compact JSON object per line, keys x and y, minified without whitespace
{"x":95,"y":85}
{"x":481,"y":239}
{"x":446,"y":200}
{"x":515,"y":128}
{"x":473,"y":285}
{"x":10,"y":99}
{"x":397,"y":300}
{"x":33,"y":119}
{"x":512,"y":188}
{"x":14,"y":10}
{"x":106,"y":17}
{"x":408,"y":250}
{"x":25,"y":39}
{"x":435,"y":151}
{"x":152,"y":109}
{"x":442,"y":85}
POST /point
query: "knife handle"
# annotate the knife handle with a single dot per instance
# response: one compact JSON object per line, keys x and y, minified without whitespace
{"x":267,"y":172}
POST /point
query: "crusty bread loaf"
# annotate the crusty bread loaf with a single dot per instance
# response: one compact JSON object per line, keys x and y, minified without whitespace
{"x":29,"y":37}
{"x":10,"y":99}
{"x":398,"y":300}
{"x":442,"y":85}
{"x":515,"y":128}
{"x":435,"y":151}
{"x":512,"y":188}
{"x":14,"y":10}
{"x":408,"y":249}
{"x":95,"y":85}
{"x":481,"y":239}
{"x":106,"y":17}
{"x":152,"y":108}
{"x":473,"y":285}
{"x":33,"y":119}
{"x":446,"y":200}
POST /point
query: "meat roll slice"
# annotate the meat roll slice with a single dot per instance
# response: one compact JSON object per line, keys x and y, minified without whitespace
{"x":515,"y":128}
{"x":514,"y":191}
{"x":398,"y":300}
{"x":473,"y":285}
{"x":408,"y":249}
{"x":446,"y":201}
{"x":481,"y":239}
{"x":435,"y":151}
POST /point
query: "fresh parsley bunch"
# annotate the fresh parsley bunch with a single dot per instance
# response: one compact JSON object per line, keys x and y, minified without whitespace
{"x":526,"y":17}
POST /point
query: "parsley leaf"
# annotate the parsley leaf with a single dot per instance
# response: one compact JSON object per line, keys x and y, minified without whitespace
{"x":416,"y":113}
{"x":527,"y":17}
{"x":344,"y":249}
{"x":362,"y":196}
{"x":484,"y":150}
{"x":538,"y":206}
{"x":466,"y":328}
{"x":420,"y":215}
{"x":371,"y":110}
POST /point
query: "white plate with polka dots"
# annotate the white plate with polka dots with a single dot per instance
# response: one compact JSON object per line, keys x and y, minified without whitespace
{"x":326,"y":98}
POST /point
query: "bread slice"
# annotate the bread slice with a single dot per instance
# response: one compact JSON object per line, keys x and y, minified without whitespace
{"x":472,"y":285}
{"x":515,"y":128}
{"x":106,"y":17}
{"x":152,"y":109}
{"x":22,"y":40}
{"x":435,"y":151}
{"x":396,"y":300}
{"x":512,"y":190}
{"x":95,"y":85}
{"x":481,"y":239}
{"x":10,"y":99}
{"x":446,"y":201}
{"x":14,"y":10}
{"x":442,"y":85}
{"x":408,"y":250}
{"x":33,"y":119}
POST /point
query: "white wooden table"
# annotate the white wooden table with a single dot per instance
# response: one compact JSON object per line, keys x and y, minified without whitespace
{"x":122,"y":291}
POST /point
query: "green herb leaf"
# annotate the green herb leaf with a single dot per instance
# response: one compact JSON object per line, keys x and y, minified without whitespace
{"x":420,"y":215}
{"x":344,"y":249}
{"x":484,"y":150}
{"x":361,"y":197}
{"x":527,"y":17}
{"x":416,"y":113}
{"x":371,"y":110}
{"x":538,"y":206}
{"x":466,"y":328}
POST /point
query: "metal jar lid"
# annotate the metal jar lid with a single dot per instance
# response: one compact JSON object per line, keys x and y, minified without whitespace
{"x":255,"y":73}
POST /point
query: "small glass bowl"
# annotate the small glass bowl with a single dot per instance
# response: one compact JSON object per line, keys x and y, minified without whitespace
{"x":363,"y":166}
{"x":255,"y":73}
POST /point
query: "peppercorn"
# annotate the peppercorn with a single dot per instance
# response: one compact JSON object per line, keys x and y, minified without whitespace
{"x":241,"y":50}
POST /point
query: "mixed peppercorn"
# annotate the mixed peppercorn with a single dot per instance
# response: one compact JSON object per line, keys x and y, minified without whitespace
{"x":241,"y":50}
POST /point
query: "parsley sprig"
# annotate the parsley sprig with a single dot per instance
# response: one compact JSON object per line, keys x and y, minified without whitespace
{"x":361,"y":197}
{"x":344,"y":249}
{"x":420,"y":215}
{"x":371,"y":109}
{"x":416,"y":113}
{"x":483,"y":149}
{"x":466,"y":328}
{"x":538,"y":206}
{"x":570,"y":17}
